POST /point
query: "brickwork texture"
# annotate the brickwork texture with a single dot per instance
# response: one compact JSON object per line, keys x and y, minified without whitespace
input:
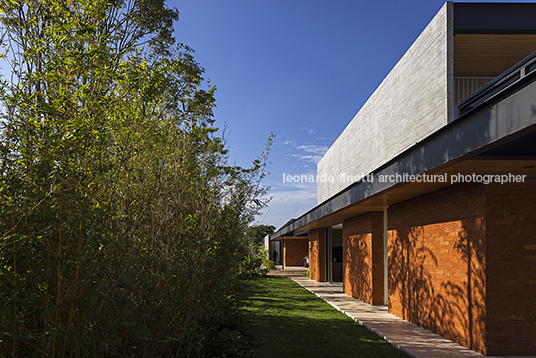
{"x":363,"y":258}
{"x":462,"y":264}
{"x":294,"y":251}
{"x":511,"y":269}
{"x":317,"y":255}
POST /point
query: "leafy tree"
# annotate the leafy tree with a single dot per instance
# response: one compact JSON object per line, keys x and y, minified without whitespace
{"x":255,"y":255}
{"x":260,"y":231}
{"x":122,"y":224}
{"x":256,"y":234}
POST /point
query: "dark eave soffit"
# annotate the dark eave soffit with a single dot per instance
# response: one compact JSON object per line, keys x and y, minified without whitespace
{"x":494,"y":18}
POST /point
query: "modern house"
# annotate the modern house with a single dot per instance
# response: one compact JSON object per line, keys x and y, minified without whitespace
{"x":291,"y":248}
{"x":429,"y":194}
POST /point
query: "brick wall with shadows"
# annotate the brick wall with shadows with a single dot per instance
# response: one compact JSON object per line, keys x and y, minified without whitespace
{"x":511,"y":268}
{"x":363,"y":258}
{"x":437,"y":263}
{"x":317,"y":252}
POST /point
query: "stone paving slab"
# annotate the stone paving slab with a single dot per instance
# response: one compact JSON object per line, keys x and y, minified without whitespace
{"x":414,"y":340}
{"x":289,"y":271}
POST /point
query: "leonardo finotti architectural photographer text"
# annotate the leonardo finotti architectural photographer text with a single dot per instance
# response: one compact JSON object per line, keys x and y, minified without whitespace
{"x":401,"y":178}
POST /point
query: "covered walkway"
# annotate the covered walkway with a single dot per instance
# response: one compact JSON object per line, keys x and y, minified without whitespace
{"x":414,"y":340}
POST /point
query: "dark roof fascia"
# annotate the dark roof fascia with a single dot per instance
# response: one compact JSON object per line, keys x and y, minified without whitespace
{"x":494,"y":18}
{"x":293,"y":233}
{"x":471,"y":134}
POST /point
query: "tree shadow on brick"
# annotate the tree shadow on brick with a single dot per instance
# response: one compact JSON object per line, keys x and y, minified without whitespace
{"x":358,"y":267}
{"x":438,"y":282}
{"x":471,"y":244}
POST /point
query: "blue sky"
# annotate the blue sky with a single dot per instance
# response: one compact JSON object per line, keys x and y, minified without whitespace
{"x":299,"y":68}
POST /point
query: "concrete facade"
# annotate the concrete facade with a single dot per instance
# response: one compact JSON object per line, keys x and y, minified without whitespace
{"x":412,"y":102}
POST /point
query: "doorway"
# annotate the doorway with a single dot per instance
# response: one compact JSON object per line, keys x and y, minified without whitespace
{"x":334,"y":264}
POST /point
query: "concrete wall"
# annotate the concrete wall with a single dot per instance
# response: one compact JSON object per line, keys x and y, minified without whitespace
{"x":412,"y":102}
{"x":363,"y":258}
{"x":317,"y":255}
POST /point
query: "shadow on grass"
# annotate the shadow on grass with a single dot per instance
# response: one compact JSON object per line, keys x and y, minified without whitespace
{"x":293,"y":322}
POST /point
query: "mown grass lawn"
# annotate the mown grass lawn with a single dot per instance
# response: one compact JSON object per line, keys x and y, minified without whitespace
{"x":293,"y":322}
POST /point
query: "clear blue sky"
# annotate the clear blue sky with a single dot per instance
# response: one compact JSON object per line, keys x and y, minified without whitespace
{"x":299,"y":68}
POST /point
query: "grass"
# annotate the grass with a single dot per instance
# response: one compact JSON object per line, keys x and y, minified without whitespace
{"x":293,"y":322}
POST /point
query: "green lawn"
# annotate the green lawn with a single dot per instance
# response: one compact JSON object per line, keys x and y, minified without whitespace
{"x":293,"y":322}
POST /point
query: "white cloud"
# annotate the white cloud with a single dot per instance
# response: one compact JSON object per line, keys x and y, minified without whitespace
{"x":312,"y":158}
{"x":313,"y":153}
{"x":308,"y":130}
{"x":317,"y":149}
{"x":293,"y":199}
{"x":289,"y":204}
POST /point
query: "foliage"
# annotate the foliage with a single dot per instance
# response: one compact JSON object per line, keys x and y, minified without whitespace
{"x":262,"y":252}
{"x":269,"y":264}
{"x":258,"y":232}
{"x":255,"y":235}
{"x":122,"y":224}
{"x":251,"y":266}
{"x":231,"y":335}
{"x":255,"y":265}
{"x":255,"y":262}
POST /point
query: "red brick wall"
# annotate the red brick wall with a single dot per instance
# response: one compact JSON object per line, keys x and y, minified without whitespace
{"x":317,"y":255}
{"x":462,"y":263}
{"x":294,"y":251}
{"x":511,"y":268}
{"x":437,"y":263}
{"x":363,"y":258}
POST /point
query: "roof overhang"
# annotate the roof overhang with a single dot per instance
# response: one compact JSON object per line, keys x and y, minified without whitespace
{"x":280,"y":238}
{"x":460,"y":147}
{"x":494,"y":18}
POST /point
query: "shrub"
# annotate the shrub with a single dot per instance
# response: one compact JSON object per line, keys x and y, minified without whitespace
{"x":269,"y":264}
{"x":122,"y":223}
{"x":262,"y":252}
{"x":252,"y":266}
